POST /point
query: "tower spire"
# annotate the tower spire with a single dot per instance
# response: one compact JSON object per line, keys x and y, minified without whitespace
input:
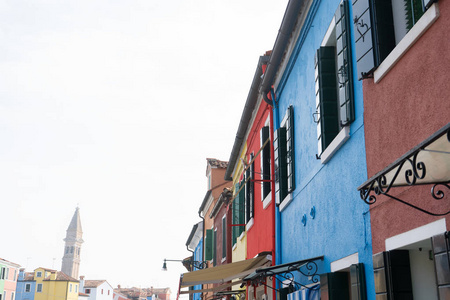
{"x":71,"y":259}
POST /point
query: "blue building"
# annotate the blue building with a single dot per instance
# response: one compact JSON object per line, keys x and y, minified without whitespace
{"x":26,"y":285}
{"x":319,"y":151}
{"x":195,"y":245}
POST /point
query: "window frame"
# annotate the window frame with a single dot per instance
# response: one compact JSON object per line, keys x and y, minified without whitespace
{"x":224,"y":237}
{"x":39,"y":288}
{"x":39,"y":274}
{"x":27,"y":287}
{"x":266,"y":166}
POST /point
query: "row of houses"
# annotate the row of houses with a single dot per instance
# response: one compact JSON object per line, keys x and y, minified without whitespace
{"x":337,"y":183}
{"x":49,"y":284}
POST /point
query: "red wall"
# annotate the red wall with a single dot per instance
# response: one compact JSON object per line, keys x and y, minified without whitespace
{"x":260,"y":236}
{"x":407,"y":106}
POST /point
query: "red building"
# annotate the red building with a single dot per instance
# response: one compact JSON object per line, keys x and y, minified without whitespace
{"x":406,"y":114}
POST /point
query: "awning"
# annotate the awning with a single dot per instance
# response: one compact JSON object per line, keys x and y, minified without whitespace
{"x":225,"y":273}
{"x":427,"y":163}
{"x":306,"y":268}
{"x":218,"y":289}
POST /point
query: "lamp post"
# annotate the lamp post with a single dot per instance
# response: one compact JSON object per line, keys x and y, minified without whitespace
{"x":191,"y":263}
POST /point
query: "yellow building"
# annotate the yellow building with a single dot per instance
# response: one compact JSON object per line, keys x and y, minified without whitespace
{"x":55,"y":285}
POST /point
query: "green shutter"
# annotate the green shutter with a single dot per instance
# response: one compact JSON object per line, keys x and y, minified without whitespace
{"x":241,"y":210}
{"x":344,"y":65}
{"x":441,"y":252}
{"x":374,"y":33}
{"x":357,"y":282}
{"x":209,"y":244}
{"x":290,"y":149}
{"x":235,"y":210}
{"x":334,"y":286}
{"x":224,"y":237}
{"x":265,"y":166}
{"x":252,"y":187}
{"x":214,"y":247}
{"x":280,"y":164}
{"x":326,"y":96}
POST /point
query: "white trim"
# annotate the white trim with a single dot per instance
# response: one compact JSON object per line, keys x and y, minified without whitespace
{"x":249,"y":224}
{"x":234,"y":247}
{"x":428,"y":18}
{"x":285,"y":202}
{"x":224,"y":259}
{"x":416,"y":235}
{"x":344,"y":263}
{"x":267,"y":200}
{"x":241,"y":236}
{"x":330,"y":29}
{"x":334,"y":146}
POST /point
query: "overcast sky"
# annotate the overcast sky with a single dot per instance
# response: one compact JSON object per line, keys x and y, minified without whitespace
{"x":114,"y":106}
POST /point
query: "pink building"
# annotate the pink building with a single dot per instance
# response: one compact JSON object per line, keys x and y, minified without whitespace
{"x":8,"y":279}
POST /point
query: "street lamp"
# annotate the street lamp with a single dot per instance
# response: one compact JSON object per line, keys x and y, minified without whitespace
{"x":190,"y":262}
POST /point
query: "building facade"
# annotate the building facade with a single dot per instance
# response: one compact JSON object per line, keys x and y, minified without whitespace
{"x":96,"y":289}
{"x":55,"y":285}
{"x":8,"y":279}
{"x":26,"y":285}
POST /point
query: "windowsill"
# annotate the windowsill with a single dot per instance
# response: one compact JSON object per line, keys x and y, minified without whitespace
{"x":223,"y":260}
{"x":242,"y":235}
{"x":249,"y":224}
{"x":344,"y":263}
{"x":338,"y":141}
{"x":285,"y":202}
{"x":267,"y":200}
{"x":425,"y":22}
{"x":234,"y":247}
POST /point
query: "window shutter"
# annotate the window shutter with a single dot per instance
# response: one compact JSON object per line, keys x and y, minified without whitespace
{"x":290,"y":150}
{"x":392,"y":274}
{"x":334,"y":286}
{"x":357,"y":282}
{"x":235,"y":206}
{"x":224,"y":237}
{"x":344,"y":64}
{"x":214,"y":248}
{"x":208,"y":244}
{"x":441,"y":252}
{"x":241,"y":210}
{"x":280,"y":164}
{"x":265,"y":165}
{"x":374,"y":33}
{"x":326,"y":94}
{"x":252,"y":188}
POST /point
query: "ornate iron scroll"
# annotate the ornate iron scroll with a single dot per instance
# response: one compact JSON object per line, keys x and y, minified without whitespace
{"x":415,"y":170}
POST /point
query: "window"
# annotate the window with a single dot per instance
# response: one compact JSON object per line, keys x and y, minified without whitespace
{"x":71,"y":249}
{"x":265,"y":162}
{"x":39,"y":288}
{"x":108,"y":292}
{"x":1,"y":296}
{"x":238,"y":211}
{"x":27,"y":288}
{"x":12,"y":295}
{"x":249,"y":190}
{"x":392,"y":20}
{"x":2,"y":273}
{"x":38,"y":274}
{"x":15,"y":274}
{"x":76,"y":288}
{"x":67,"y":250}
{"x":70,"y":287}
{"x":214,"y":248}
{"x":333,"y":84}
{"x":284,"y":157}
{"x":348,"y":283}
{"x":87,"y":291}
{"x":224,"y":237}
{"x":102,"y":291}
{"x":7,"y":274}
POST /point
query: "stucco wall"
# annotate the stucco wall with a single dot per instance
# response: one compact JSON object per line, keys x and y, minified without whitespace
{"x":408,"y":105}
{"x":341,"y":226}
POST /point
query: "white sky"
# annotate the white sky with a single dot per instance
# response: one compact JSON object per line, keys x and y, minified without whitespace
{"x":114,"y":106}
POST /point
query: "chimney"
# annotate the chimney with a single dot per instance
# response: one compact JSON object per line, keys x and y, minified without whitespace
{"x":118,"y":286}
{"x":82,"y":284}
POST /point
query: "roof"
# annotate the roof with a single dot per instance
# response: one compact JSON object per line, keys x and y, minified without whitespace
{"x":75,"y":224}
{"x":9,"y":263}
{"x":45,"y":269}
{"x":60,"y":276}
{"x":215,"y":163}
{"x":93,"y":283}
{"x":28,"y":276}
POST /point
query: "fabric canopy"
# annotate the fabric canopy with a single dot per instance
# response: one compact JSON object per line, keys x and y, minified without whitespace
{"x":225,"y":273}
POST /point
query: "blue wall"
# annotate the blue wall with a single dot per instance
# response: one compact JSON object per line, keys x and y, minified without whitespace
{"x":198,"y":257}
{"x":342,"y":223}
{"x":20,"y":288}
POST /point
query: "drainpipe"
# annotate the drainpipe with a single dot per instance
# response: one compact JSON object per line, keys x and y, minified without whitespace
{"x":272,"y":162}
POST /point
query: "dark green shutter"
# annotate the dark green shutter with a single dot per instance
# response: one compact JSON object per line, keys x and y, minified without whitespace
{"x":441,"y":252}
{"x":374,"y":33}
{"x":280,"y":164}
{"x":241,"y":210}
{"x":392,"y":274}
{"x":209,"y":244}
{"x":235,"y":206}
{"x":265,"y":166}
{"x":334,"y":286}
{"x":357,"y":282}
{"x":290,"y":149}
{"x":250,"y":190}
{"x":224,"y":237}
{"x":344,"y":65}
{"x":326,"y":96}
{"x":214,"y":251}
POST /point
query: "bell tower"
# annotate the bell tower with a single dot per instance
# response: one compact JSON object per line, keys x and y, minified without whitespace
{"x":71,"y":259}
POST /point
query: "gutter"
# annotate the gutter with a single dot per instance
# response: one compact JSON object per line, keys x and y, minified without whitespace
{"x":246,"y":116}
{"x":287,"y":25}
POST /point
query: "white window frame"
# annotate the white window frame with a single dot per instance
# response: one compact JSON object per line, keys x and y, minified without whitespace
{"x":268,"y":199}
{"x":344,"y":263}
{"x":27,"y":286}
{"x":39,"y":274}
{"x":39,"y":288}
{"x":344,"y":134}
